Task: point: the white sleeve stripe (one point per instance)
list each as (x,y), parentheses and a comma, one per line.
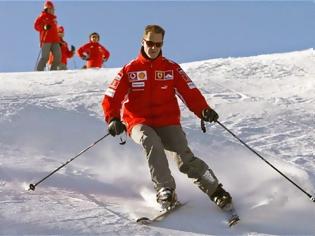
(110,92)
(180,96)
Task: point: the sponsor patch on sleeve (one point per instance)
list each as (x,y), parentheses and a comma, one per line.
(119,76)
(191,85)
(110,92)
(184,75)
(114,84)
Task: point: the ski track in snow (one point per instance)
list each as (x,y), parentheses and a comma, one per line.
(47,118)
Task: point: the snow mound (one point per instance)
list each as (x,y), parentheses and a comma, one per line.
(49,117)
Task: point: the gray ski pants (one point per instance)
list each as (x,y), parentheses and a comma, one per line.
(45,50)
(172,138)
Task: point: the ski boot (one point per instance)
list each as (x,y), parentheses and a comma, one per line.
(222,198)
(167,198)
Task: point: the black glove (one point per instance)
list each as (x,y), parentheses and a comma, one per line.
(116,127)
(47,27)
(209,115)
(72,48)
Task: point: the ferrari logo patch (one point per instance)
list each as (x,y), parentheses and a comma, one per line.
(164,75)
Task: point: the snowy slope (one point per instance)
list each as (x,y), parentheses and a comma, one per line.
(48,117)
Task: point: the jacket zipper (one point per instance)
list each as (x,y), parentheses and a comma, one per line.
(150,90)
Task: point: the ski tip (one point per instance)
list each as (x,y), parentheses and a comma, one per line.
(163,213)
(143,220)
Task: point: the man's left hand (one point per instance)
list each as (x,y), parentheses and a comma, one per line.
(209,115)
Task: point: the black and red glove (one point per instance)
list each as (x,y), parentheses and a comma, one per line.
(209,115)
(47,27)
(116,127)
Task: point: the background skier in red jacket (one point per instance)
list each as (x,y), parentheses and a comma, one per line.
(93,52)
(65,52)
(46,24)
(142,97)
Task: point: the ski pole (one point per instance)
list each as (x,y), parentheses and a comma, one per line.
(312,198)
(33,186)
(40,50)
(74,63)
(39,53)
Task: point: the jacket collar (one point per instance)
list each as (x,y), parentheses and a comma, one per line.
(145,59)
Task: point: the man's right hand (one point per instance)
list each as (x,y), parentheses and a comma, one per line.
(47,27)
(116,127)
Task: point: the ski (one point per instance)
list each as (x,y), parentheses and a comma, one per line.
(231,216)
(162,215)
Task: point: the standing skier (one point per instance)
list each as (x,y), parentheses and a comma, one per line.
(65,52)
(46,24)
(144,92)
(93,52)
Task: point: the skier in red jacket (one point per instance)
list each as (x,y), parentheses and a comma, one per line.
(65,52)
(46,24)
(142,97)
(93,52)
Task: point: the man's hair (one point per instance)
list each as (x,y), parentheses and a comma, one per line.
(94,33)
(154,28)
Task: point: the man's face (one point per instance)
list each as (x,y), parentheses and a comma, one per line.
(94,38)
(51,11)
(152,44)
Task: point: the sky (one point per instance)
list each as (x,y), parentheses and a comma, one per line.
(195,30)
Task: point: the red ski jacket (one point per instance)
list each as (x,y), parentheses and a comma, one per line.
(95,53)
(50,35)
(65,53)
(144,92)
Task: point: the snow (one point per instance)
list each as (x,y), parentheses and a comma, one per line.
(48,117)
